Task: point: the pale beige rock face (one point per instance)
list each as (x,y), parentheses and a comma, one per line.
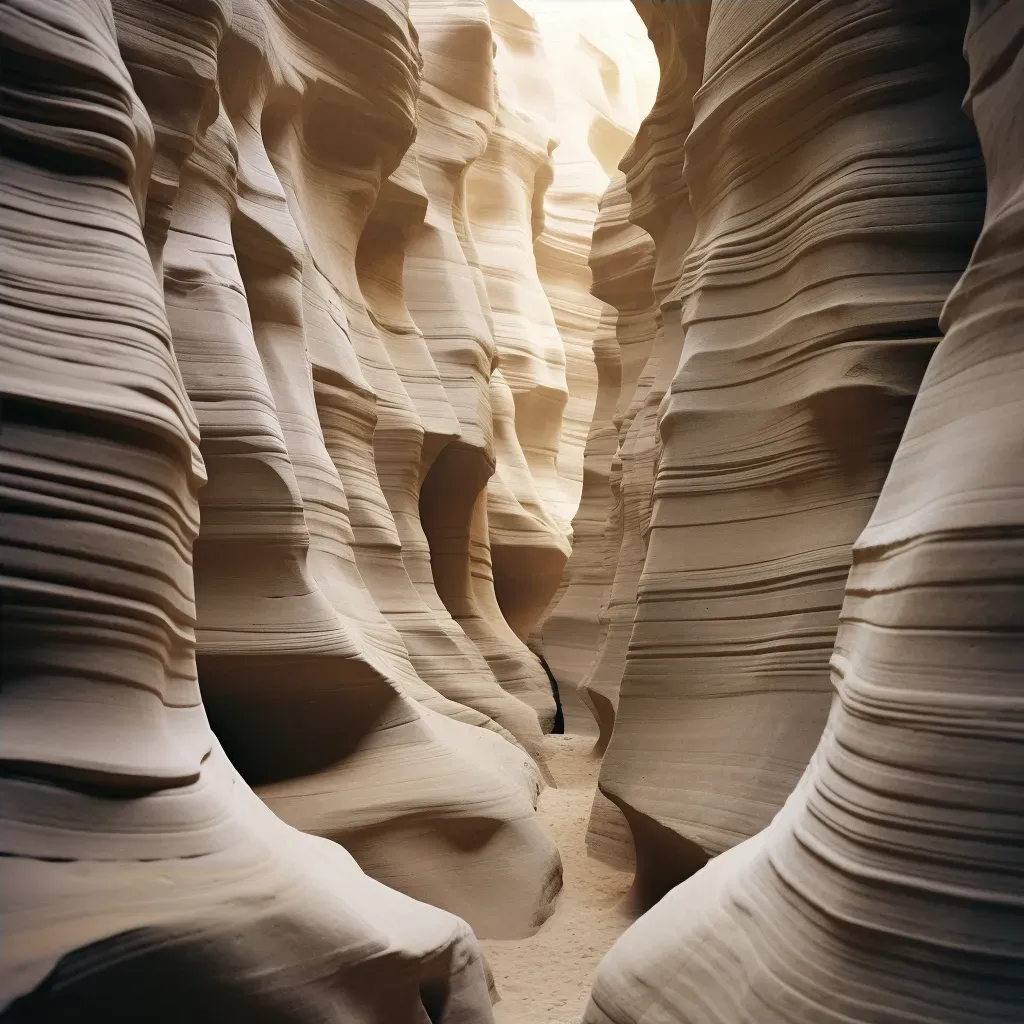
(447,295)
(505,188)
(140,872)
(646,223)
(576,631)
(441,652)
(532,200)
(307,309)
(885,889)
(623,259)
(302,206)
(809,298)
(604,76)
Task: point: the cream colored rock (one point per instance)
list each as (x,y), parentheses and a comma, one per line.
(567,108)
(505,189)
(887,887)
(441,652)
(604,75)
(141,878)
(623,259)
(447,296)
(569,634)
(356,759)
(809,298)
(653,208)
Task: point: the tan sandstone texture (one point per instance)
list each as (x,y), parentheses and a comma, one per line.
(142,878)
(389,383)
(807,304)
(230,377)
(888,886)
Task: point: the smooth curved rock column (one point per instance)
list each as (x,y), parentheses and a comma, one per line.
(569,635)
(605,79)
(141,878)
(505,188)
(441,652)
(357,759)
(447,297)
(809,298)
(888,886)
(623,259)
(651,207)
(604,76)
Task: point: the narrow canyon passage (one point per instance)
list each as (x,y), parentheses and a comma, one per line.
(513,512)
(546,978)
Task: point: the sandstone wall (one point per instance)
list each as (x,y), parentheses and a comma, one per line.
(363,377)
(649,213)
(605,81)
(885,887)
(137,860)
(621,259)
(259,369)
(806,305)
(603,74)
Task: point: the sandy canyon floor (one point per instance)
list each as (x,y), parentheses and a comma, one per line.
(546,978)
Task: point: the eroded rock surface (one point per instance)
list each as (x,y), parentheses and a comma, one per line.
(359,748)
(137,860)
(806,306)
(248,450)
(885,888)
(305,312)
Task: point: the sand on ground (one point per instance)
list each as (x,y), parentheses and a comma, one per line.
(546,978)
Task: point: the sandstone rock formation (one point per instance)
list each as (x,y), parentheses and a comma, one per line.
(532,197)
(887,888)
(604,70)
(505,191)
(137,861)
(394,781)
(356,667)
(653,208)
(604,77)
(623,259)
(624,265)
(362,383)
(447,295)
(822,250)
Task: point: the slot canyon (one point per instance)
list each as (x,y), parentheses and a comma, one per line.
(513,511)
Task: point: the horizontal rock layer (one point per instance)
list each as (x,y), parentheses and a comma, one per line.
(887,887)
(254,393)
(137,860)
(806,306)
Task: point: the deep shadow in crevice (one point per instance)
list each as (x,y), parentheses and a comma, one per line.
(664,858)
(558,729)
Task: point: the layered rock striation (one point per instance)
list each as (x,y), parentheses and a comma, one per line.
(806,305)
(359,748)
(305,311)
(604,77)
(886,887)
(253,399)
(137,860)
(447,295)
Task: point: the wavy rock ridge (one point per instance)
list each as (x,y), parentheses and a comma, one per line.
(268,475)
(363,376)
(885,887)
(808,298)
(137,859)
